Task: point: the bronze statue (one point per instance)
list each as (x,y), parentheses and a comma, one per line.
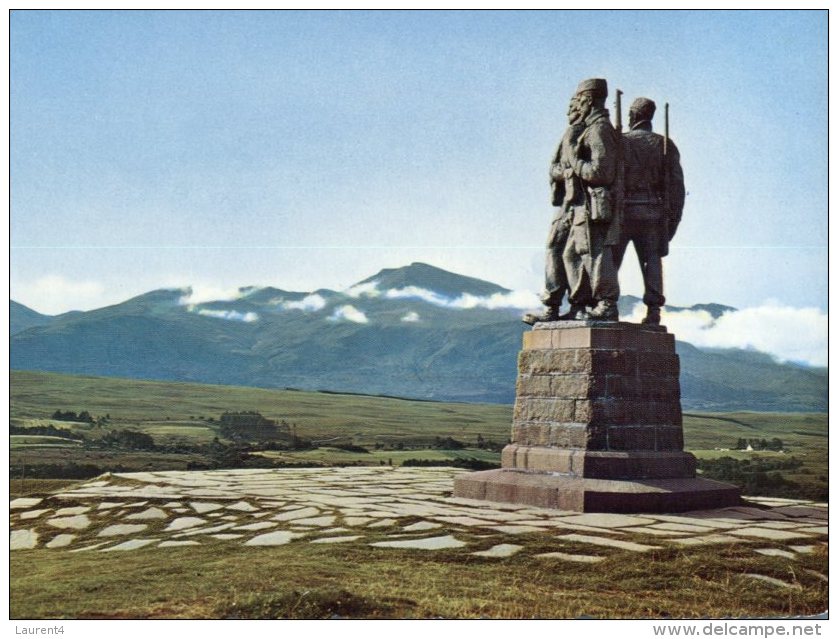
(653,201)
(567,192)
(595,224)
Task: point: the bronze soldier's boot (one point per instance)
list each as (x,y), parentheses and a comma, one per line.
(605,310)
(653,315)
(574,313)
(550,315)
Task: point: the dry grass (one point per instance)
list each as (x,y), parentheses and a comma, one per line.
(354,580)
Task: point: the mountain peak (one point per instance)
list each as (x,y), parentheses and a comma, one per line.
(431,278)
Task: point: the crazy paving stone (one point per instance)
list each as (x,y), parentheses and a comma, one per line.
(226,536)
(768,533)
(301,513)
(277,538)
(357,521)
(500,551)
(605,541)
(149,513)
(25,502)
(173,544)
(772,581)
(122,529)
(131,544)
(107,505)
(204,531)
(75,510)
(517,530)
(708,539)
(336,540)
(586,559)
(816,530)
(384,523)
(607,520)
(654,531)
(93,547)
(33,514)
(804,550)
(259,525)
(429,543)
(325,520)
(76,522)
(202,507)
(182,523)
(687,528)
(775,552)
(24,539)
(421,525)
(242,506)
(60,541)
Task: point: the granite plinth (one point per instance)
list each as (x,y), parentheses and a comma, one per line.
(581,494)
(597,425)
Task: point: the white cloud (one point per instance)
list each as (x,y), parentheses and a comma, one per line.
(369,289)
(309,303)
(53,294)
(202,293)
(789,334)
(412,316)
(414,292)
(229,315)
(350,314)
(512,299)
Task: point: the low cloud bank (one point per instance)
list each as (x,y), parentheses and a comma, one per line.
(512,299)
(201,294)
(235,316)
(349,313)
(788,334)
(309,303)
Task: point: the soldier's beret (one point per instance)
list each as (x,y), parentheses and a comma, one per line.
(643,107)
(597,86)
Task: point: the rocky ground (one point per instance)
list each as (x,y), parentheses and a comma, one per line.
(406,508)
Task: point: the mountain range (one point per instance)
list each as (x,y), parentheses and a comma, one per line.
(416,331)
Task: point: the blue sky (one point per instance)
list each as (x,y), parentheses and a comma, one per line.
(305,150)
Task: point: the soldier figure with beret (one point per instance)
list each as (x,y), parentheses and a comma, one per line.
(595,223)
(653,202)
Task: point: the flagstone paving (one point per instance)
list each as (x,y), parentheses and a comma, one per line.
(382,509)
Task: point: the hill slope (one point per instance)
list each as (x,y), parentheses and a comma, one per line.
(416,332)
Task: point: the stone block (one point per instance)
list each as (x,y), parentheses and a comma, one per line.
(547,362)
(608,361)
(604,412)
(543,409)
(533,385)
(669,438)
(538,340)
(578,436)
(631,438)
(665,363)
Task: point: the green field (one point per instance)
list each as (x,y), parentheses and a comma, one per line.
(321,581)
(393,430)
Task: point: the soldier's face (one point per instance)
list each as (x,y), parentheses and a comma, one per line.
(573,114)
(583,105)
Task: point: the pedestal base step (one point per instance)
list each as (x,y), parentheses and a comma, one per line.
(579,494)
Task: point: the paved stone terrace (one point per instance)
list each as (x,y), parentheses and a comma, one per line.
(407,508)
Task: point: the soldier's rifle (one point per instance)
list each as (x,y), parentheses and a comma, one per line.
(667,210)
(619,180)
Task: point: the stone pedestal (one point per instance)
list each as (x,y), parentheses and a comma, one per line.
(597,426)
